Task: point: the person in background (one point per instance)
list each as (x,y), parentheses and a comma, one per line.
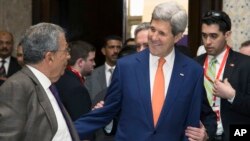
(8,64)
(30,106)
(245,48)
(226,75)
(152,108)
(100,79)
(74,95)
(130,41)
(127,50)
(19,54)
(141,36)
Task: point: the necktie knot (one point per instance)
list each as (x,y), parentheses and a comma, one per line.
(213,61)
(161,62)
(111,70)
(3,62)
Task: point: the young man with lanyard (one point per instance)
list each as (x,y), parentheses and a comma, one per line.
(226,74)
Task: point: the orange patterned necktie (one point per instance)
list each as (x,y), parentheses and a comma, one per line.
(158,91)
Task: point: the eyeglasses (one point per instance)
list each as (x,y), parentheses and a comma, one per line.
(213,14)
(65,50)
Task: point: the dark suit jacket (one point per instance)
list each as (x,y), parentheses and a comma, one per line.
(74,95)
(237,70)
(96,82)
(26,113)
(13,68)
(130,92)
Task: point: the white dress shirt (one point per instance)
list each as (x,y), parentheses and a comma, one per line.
(217,105)
(6,64)
(62,133)
(108,74)
(167,69)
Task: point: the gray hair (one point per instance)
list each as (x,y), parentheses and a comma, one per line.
(38,40)
(173,13)
(142,26)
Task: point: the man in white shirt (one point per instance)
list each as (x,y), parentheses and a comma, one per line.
(8,64)
(226,75)
(30,109)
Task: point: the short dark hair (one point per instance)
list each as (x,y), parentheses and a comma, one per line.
(246,43)
(79,49)
(111,37)
(217,17)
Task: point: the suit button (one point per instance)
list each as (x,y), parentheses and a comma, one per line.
(154,132)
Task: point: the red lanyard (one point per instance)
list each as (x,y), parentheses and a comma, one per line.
(221,66)
(78,74)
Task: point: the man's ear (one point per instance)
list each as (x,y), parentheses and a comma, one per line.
(80,62)
(103,51)
(49,57)
(228,34)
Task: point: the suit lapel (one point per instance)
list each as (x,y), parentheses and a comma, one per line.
(175,84)
(230,65)
(143,81)
(13,67)
(102,78)
(44,100)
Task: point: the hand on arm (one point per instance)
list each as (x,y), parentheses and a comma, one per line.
(196,134)
(98,105)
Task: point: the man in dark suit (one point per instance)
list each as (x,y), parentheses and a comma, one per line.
(145,112)
(73,93)
(30,107)
(208,118)
(8,64)
(226,74)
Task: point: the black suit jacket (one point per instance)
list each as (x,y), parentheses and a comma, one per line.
(13,68)
(237,70)
(73,94)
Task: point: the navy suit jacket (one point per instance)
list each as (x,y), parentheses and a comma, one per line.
(237,70)
(129,93)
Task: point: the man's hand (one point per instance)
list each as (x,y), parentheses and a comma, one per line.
(196,134)
(98,105)
(3,78)
(223,89)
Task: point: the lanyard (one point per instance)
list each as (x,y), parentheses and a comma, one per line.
(78,74)
(221,66)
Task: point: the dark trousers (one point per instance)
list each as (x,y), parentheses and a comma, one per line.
(218,138)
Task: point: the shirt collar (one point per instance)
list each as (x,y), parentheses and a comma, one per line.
(43,79)
(169,58)
(107,67)
(7,60)
(219,57)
